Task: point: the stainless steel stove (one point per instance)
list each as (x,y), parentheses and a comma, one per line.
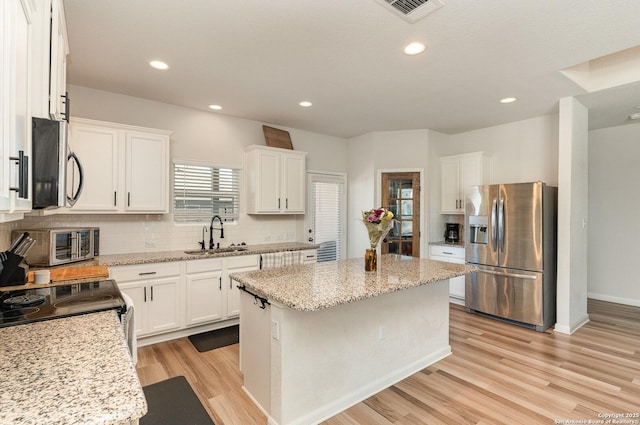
(32,305)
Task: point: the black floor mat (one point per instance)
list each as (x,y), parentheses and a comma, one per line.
(173,402)
(215,339)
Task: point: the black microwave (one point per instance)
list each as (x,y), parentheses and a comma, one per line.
(53,162)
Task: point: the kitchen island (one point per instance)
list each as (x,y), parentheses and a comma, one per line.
(74,370)
(316,339)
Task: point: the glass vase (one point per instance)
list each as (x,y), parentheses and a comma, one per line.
(370,260)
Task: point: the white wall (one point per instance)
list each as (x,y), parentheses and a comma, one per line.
(370,153)
(572,214)
(613,214)
(199,135)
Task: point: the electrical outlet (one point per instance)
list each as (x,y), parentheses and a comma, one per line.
(275,330)
(381,333)
(149,244)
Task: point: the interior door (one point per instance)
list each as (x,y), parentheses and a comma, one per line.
(401,194)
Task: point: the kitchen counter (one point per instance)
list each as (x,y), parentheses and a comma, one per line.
(165,256)
(333,335)
(324,285)
(74,370)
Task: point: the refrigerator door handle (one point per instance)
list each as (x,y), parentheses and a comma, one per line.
(505,274)
(494,235)
(501,232)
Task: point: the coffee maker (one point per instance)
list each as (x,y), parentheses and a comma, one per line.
(452,234)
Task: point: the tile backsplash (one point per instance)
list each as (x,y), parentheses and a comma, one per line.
(121,234)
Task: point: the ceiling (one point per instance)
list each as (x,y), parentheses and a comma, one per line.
(259,58)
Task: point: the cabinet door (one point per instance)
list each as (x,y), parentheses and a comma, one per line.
(147,171)
(293,184)
(58,70)
(97,150)
(163,301)
(204,297)
(450,174)
(137,294)
(268,181)
(470,174)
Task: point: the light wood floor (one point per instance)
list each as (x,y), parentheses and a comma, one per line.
(498,374)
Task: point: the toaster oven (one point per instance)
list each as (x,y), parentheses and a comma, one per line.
(62,245)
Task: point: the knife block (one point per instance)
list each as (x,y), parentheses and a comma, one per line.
(13,273)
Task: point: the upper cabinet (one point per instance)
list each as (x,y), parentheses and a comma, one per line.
(457,173)
(15,115)
(50,48)
(125,169)
(275,180)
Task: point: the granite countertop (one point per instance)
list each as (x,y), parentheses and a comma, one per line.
(323,285)
(165,256)
(74,370)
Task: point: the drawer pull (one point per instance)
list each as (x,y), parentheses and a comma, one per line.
(146,273)
(448,253)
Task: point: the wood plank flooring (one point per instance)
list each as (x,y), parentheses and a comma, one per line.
(498,374)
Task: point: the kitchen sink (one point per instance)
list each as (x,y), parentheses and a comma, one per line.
(217,250)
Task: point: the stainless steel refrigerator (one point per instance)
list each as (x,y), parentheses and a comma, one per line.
(511,238)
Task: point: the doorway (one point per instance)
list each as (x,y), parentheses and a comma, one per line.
(401,194)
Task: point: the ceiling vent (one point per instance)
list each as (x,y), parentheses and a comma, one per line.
(412,10)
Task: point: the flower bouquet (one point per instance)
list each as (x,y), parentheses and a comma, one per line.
(378,223)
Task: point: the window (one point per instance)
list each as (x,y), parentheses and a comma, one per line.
(202,191)
(327,206)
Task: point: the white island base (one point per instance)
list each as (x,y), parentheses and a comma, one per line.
(303,367)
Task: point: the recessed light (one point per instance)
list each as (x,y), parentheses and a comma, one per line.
(635,116)
(215,107)
(414,48)
(305,103)
(508,100)
(159,65)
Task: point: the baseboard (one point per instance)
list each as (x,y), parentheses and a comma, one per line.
(456,300)
(180,333)
(612,299)
(563,329)
(329,410)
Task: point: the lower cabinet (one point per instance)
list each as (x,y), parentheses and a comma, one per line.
(237,265)
(204,293)
(156,291)
(451,254)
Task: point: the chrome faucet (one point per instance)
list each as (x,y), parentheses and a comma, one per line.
(211,230)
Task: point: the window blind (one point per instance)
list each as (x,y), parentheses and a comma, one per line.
(202,191)
(328,206)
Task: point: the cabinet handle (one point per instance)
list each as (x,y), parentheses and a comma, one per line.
(278,203)
(23,175)
(456,204)
(145,273)
(220,287)
(145,294)
(128,199)
(230,283)
(448,253)
(115,198)
(286,203)
(152,293)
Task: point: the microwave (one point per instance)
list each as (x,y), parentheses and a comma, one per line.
(62,245)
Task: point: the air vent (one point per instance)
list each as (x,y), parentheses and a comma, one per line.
(412,10)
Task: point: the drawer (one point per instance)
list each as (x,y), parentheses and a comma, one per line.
(204,265)
(144,271)
(242,261)
(447,251)
(310,255)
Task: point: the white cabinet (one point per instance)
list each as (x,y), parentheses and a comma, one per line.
(15,113)
(126,169)
(156,291)
(204,292)
(238,264)
(451,254)
(275,180)
(58,69)
(309,256)
(457,173)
